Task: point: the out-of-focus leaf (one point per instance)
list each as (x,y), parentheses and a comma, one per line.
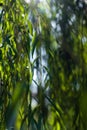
(31,115)
(30,28)
(23,121)
(34,42)
(35,60)
(51,53)
(40,122)
(57,108)
(0,54)
(46,68)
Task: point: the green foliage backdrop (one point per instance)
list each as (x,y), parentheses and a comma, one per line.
(43,65)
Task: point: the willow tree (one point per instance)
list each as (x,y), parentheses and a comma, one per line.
(43,47)
(15,68)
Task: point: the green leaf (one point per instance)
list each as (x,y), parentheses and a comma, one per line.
(30,28)
(34,42)
(57,108)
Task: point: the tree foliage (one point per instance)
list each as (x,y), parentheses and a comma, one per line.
(43,65)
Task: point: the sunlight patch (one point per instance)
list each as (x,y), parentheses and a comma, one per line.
(27,1)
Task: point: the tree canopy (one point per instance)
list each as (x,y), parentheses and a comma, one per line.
(43,65)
